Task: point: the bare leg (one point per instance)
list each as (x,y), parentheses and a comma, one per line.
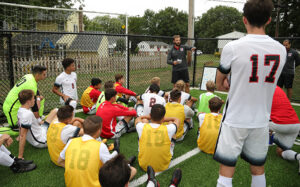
(279,151)
(226,171)
(187,87)
(289,93)
(51,116)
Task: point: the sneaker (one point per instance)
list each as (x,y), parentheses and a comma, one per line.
(131,160)
(131,129)
(176,178)
(151,176)
(117,145)
(22,161)
(21,168)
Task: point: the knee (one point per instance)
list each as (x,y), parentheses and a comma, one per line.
(257,170)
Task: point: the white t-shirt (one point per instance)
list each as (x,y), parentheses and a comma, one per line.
(103,151)
(184,97)
(202,116)
(160,93)
(69,131)
(254,63)
(36,134)
(150,99)
(67,84)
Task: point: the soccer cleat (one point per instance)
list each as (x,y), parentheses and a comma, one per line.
(22,161)
(176,178)
(131,129)
(151,176)
(21,168)
(131,160)
(117,145)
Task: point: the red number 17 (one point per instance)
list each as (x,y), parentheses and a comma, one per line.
(268,58)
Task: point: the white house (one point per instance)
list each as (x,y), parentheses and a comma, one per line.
(152,47)
(232,35)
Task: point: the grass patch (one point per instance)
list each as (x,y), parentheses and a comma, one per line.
(199,170)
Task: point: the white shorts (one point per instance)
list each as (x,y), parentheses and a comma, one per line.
(185,130)
(251,143)
(285,135)
(139,110)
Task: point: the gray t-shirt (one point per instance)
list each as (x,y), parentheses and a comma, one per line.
(292,61)
(178,54)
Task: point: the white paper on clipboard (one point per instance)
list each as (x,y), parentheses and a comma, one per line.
(209,73)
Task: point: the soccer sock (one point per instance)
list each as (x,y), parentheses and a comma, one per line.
(5,159)
(224,181)
(150,184)
(4,149)
(290,155)
(258,181)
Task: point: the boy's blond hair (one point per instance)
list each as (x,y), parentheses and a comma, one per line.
(155,80)
(180,85)
(210,86)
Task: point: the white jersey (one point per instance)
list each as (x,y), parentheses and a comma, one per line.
(160,93)
(67,84)
(184,97)
(150,99)
(254,63)
(36,134)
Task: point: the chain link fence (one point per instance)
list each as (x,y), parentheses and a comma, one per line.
(138,58)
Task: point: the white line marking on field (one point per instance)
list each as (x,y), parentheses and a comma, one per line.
(173,163)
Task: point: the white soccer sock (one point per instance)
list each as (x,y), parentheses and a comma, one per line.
(5,150)
(224,181)
(5,159)
(290,155)
(258,181)
(150,184)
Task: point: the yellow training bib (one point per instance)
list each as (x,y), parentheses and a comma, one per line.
(176,110)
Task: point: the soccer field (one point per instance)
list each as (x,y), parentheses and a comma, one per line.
(199,170)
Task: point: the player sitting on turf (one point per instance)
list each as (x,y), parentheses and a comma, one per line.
(83,157)
(205,97)
(156,80)
(147,100)
(61,131)
(90,96)
(65,84)
(109,112)
(101,98)
(152,181)
(11,104)
(116,172)
(7,159)
(30,129)
(121,90)
(286,125)
(155,146)
(186,98)
(183,112)
(209,124)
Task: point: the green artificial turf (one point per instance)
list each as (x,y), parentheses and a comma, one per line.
(199,170)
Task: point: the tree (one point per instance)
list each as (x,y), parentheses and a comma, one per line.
(120,45)
(105,23)
(215,22)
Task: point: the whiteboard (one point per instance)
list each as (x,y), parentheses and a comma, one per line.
(209,73)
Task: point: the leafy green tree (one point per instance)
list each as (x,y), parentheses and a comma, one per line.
(215,22)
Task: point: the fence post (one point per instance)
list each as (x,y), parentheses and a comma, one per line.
(10,62)
(128,61)
(195,65)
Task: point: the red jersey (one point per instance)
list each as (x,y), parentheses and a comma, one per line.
(121,90)
(89,98)
(108,112)
(282,111)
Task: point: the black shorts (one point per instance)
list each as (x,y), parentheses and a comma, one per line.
(286,80)
(180,75)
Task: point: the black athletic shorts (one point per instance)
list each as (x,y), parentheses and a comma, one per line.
(180,75)
(286,80)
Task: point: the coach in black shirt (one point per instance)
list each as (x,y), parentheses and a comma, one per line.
(177,58)
(287,75)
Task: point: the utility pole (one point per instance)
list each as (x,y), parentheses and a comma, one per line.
(190,29)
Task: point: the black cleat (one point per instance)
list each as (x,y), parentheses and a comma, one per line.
(117,145)
(131,129)
(131,160)
(21,168)
(22,161)
(151,176)
(176,178)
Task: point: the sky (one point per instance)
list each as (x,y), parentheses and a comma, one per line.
(137,7)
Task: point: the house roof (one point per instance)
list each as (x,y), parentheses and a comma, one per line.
(234,34)
(156,43)
(87,42)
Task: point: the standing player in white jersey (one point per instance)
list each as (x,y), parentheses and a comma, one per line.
(148,100)
(254,63)
(65,84)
